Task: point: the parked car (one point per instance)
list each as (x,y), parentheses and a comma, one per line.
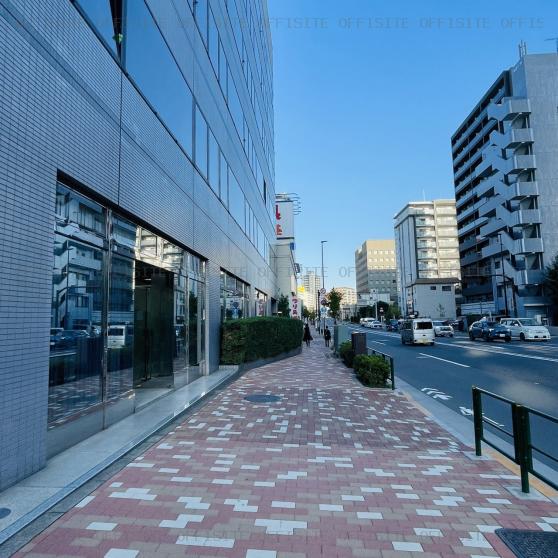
(119,335)
(54,334)
(417,331)
(526,329)
(441,329)
(392,325)
(489,331)
(68,338)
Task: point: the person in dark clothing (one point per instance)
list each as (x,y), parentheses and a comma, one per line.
(307,337)
(327,336)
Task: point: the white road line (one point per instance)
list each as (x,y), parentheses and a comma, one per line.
(379,342)
(519,355)
(445,360)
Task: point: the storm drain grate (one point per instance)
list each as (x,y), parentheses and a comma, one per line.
(4,512)
(530,544)
(262,398)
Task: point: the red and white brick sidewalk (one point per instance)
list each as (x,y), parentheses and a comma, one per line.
(332,469)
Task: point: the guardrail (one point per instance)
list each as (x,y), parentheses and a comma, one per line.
(387,358)
(521,435)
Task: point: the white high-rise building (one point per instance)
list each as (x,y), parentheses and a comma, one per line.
(426,245)
(311,283)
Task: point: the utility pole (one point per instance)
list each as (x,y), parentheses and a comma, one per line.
(503,275)
(323,280)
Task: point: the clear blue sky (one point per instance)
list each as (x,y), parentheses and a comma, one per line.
(364,112)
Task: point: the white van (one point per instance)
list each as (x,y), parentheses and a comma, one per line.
(119,335)
(418,331)
(526,329)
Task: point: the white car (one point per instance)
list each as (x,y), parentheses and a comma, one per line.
(442,330)
(527,329)
(373,324)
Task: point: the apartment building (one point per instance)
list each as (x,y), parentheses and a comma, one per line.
(137,194)
(311,284)
(505,163)
(426,245)
(376,269)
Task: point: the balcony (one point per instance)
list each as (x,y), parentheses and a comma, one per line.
(472,226)
(519,163)
(529,277)
(529,245)
(512,138)
(490,204)
(518,190)
(525,217)
(509,108)
(472,258)
(492,227)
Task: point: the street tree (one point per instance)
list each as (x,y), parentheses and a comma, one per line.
(283,308)
(334,302)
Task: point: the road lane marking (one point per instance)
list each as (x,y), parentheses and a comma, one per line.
(445,360)
(436,393)
(501,352)
(379,343)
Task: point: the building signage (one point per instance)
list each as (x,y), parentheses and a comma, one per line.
(284,219)
(294,307)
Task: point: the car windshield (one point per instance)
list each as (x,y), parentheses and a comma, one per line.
(438,323)
(492,324)
(423,325)
(528,322)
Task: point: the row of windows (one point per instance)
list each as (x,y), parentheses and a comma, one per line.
(153,67)
(207,25)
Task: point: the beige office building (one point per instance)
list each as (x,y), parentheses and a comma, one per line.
(376,270)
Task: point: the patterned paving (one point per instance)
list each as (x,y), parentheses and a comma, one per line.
(331,469)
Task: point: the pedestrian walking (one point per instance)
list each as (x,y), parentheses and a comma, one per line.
(327,336)
(307,337)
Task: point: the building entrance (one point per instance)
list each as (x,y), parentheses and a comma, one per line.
(153,326)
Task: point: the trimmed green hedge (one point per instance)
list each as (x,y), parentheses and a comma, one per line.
(371,370)
(258,338)
(346,353)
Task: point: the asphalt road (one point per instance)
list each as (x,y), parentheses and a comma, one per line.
(525,372)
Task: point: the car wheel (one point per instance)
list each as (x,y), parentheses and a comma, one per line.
(471,337)
(451,334)
(522,336)
(508,339)
(432,344)
(487,338)
(402,341)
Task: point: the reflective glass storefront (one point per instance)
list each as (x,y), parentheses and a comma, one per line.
(235,298)
(128,310)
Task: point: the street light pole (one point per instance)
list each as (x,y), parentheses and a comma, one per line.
(503,276)
(323,280)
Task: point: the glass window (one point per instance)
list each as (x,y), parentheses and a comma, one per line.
(236,201)
(213,42)
(201,15)
(213,163)
(235,298)
(235,107)
(150,63)
(446,288)
(100,15)
(201,142)
(224,181)
(76,342)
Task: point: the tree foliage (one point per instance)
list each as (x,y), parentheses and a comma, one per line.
(283,308)
(334,301)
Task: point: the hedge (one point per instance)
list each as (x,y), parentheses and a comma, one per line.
(252,339)
(346,353)
(371,370)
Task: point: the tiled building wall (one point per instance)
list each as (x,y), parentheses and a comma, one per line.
(61,99)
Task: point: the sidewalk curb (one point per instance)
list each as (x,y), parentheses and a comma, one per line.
(462,429)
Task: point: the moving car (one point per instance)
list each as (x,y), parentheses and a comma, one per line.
(489,331)
(374,324)
(392,325)
(442,330)
(526,329)
(417,331)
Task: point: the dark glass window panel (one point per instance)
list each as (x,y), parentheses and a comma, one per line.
(150,63)
(76,342)
(223,70)
(100,15)
(201,143)
(120,333)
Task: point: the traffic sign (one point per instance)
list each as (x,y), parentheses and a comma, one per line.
(323,291)
(323,302)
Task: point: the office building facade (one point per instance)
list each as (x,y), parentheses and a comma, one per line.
(426,245)
(376,269)
(137,194)
(505,162)
(311,285)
